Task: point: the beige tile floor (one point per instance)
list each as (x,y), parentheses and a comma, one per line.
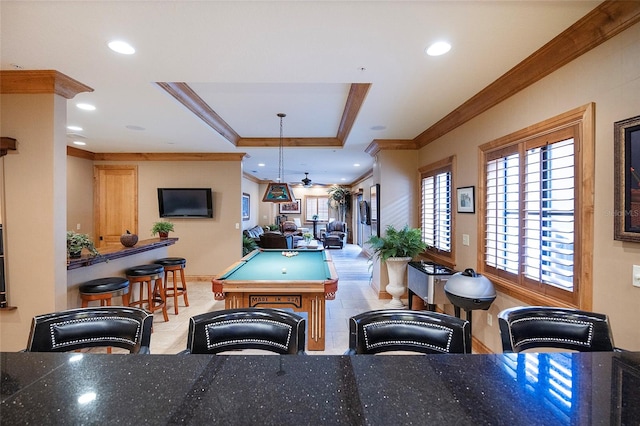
(354,296)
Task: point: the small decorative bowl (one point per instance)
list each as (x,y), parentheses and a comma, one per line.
(129,240)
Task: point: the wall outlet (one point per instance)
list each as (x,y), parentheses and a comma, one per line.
(636,276)
(489,320)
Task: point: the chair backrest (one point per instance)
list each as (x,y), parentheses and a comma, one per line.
(288,226)
(403,330)
(276,240)
(246,328)
(528,327)
(123,327)
(336,226)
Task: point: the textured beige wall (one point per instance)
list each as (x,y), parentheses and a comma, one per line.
(34,185)
(80,195)
(609,76)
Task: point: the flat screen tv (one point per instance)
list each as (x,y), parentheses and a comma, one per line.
(185,202)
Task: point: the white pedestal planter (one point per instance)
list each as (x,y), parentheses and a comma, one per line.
(397,269)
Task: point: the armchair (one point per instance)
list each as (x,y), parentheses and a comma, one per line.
(335,234)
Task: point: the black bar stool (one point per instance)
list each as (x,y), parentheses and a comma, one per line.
(104,289)
(173,265)
(146,275)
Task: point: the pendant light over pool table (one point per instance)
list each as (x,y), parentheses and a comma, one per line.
(279,192)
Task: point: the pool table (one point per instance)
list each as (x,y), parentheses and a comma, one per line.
(267,278)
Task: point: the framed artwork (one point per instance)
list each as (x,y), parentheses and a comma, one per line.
(292,207)
(466,199)
(246,206)
(374,208)
(626,141)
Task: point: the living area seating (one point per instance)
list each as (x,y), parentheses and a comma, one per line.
(289,228)
(276,240)
(254,233)
(334,235)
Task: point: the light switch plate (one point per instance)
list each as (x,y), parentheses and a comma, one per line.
(465,239)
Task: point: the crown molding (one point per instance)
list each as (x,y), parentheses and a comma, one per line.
(30,82)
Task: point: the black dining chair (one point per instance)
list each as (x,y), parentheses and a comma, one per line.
(405,330)
(532,327)
(268,329)
(113,326)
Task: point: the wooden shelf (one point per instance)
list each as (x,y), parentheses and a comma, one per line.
(116,252)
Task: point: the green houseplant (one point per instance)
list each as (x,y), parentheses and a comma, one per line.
(76,242)
(162,228)
(248,245)
(340,199)
(396,249)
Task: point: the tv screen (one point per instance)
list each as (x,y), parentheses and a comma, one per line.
(364,213)
(185,202)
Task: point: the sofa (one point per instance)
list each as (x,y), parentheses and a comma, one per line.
(254,233)
(275,240)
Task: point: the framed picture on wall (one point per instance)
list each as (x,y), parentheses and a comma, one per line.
(246,206)
(466,199)
(626,141)
(292,207)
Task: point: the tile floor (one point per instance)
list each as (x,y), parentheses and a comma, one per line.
(354,296)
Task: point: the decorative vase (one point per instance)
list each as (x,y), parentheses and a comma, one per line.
(128,240)
(397,270)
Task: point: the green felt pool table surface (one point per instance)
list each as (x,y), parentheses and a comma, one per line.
(268,265)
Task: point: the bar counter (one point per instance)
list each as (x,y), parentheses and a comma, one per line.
(500,389)
(119,251)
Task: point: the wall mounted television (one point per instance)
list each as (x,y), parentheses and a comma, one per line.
(185,202)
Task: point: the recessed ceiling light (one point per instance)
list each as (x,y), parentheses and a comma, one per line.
(75,128)
(122,47)
(343,178)
(378,127)
(356,165)
(438,48)
(80,143)
(86,107)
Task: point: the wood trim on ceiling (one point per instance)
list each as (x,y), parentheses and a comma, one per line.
(30,82)
(155,156)
(604,22)
(194,103)
(378,145)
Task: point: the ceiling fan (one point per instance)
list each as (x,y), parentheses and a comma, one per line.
(306,182)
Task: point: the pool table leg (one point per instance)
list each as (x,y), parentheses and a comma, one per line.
(316,326)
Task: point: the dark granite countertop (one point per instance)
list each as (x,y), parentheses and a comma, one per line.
(524,389)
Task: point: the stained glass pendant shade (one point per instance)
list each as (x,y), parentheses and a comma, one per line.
(279,192)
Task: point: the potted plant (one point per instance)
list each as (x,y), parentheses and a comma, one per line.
(162,228)
(76,242)
(248,245)
(340,199)
(396,249)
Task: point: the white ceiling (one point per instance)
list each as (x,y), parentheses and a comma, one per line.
(252,60)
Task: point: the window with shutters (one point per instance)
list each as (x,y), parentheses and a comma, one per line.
(317,205)
(536,212)
(436,182)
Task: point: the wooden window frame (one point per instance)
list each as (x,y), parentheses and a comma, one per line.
(443,165)
(582,120)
